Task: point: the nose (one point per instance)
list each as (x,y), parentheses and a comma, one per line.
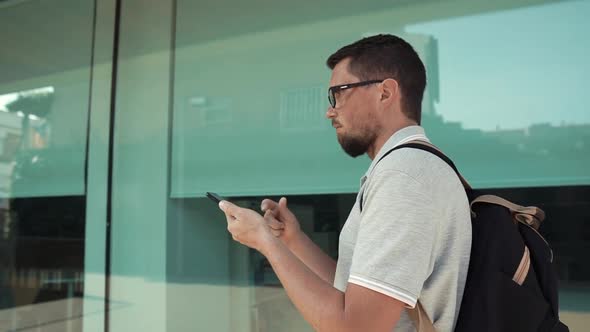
(330,113)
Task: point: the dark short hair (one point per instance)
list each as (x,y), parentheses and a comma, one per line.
(387,56)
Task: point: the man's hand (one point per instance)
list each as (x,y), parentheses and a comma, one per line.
(323,306)
(246,226)
(284,225)
(281,220)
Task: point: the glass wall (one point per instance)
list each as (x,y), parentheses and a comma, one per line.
(257,90)
(45,75)
(117,116)
(230,98)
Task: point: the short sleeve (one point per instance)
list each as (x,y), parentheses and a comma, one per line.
(394,250)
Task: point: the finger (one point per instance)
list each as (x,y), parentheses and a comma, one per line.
(270,214)
(230,209)
(275,224)
(276,233)
(283,204)
(284,209)
(272,221)
(268,204)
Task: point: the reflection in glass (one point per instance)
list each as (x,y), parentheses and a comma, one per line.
(511,86)
(34,134)
(41,239)
(44,87)
(505,99)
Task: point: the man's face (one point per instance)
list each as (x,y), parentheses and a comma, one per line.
(354,116)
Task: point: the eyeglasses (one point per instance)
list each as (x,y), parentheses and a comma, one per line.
(337,88)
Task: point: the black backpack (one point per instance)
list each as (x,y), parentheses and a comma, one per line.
(511,283)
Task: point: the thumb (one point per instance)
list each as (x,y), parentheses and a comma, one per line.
(283,204)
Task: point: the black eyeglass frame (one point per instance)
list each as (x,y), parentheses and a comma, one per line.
(337,88)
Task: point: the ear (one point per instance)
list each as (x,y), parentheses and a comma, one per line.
(390,92)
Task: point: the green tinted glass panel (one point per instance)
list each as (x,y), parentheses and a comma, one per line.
(244,103)
(44,91)
(45,64)
(505,96)
(510,107)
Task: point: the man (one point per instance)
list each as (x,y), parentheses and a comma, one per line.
(410,241)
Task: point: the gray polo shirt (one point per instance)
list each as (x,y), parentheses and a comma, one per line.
(412,239)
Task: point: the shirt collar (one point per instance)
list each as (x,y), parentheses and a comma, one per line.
(401,136)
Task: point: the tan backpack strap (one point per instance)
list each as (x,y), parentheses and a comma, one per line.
(466,184)
(420,318)
(530,215)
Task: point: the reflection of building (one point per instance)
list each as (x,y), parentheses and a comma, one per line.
(10,135)
(557,155)
(206,112)
(303,109)
(23,127)
(427,48)
(41,251)
(545,139)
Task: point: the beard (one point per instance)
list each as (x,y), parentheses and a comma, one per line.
(356,145)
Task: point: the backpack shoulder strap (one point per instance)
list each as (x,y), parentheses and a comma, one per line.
(530,215)
(424,146)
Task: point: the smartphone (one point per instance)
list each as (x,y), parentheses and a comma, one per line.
(215,198)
